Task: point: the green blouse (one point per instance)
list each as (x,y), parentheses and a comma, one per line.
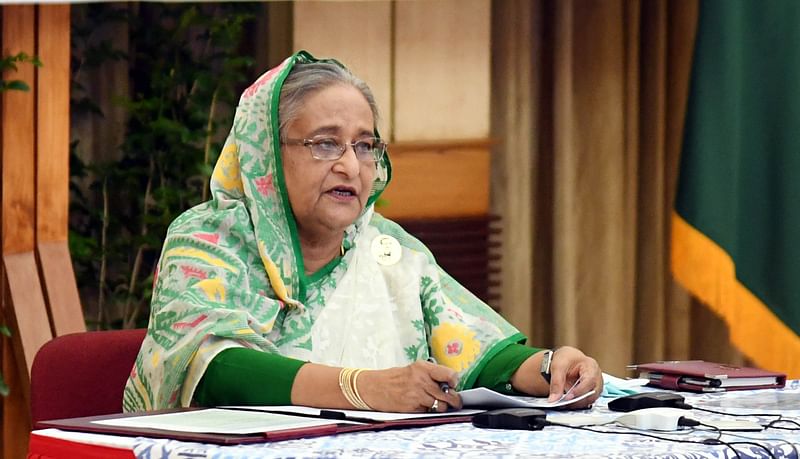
(242,376)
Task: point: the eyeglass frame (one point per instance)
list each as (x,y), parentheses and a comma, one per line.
(342,146)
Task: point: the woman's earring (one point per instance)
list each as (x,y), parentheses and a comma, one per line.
(341,249)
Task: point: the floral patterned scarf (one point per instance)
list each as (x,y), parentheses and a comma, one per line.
(230,275)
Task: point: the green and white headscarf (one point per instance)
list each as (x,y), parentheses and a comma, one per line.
(231,275)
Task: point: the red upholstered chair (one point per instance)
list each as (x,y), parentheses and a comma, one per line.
(82,374)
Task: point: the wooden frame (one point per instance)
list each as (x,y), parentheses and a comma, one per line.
(35,204)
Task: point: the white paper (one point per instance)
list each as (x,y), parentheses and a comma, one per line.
(482,396)
(215,420)
(355,414)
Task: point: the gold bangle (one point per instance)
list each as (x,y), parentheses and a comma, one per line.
(344,385)
(348,378)
(363,404)
(344,376)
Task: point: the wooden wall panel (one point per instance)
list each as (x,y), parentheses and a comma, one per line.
(23,304)
(27,310)
(16,128)
(356,33)
(431,180)
(18,135)
(52,126)
(442,71)
(428,64)
(52,170)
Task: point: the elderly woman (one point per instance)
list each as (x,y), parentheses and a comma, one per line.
(288,288)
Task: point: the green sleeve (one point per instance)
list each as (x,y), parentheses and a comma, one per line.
(242,376)
(496,375)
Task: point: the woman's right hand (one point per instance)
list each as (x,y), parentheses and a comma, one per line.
(413,388)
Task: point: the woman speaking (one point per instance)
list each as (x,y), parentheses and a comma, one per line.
(288,288)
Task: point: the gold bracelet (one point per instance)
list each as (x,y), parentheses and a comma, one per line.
(364,405)
(344,376)
(358,402)
(344,385)
(347,383)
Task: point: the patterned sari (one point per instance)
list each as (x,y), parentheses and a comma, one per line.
(231,275)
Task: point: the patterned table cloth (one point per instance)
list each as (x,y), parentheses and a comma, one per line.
(465,441)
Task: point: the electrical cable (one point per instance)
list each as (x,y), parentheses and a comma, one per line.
(730,414)
(771,424)
(719,436)
(716,441)
(791,445)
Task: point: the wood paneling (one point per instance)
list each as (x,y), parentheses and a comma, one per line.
(29,315)
(18,135)
(35,203)
(26,311)
(52,170)
(442,70)
(438,180)
(17,217)
(52,124)
(60,289)
(356,33)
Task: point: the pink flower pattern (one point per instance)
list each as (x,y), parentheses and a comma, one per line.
(264,79)
(265,185)
(189,271)
(192,324)
(454,347)
(209,237)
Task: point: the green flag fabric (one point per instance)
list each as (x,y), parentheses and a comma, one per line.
(736,225)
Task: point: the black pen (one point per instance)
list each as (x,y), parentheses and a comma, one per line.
(442,385)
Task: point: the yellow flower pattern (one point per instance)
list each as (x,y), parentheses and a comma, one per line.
(213,288)
(454,346)
(226,172)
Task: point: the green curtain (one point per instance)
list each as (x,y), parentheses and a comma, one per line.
(736,227)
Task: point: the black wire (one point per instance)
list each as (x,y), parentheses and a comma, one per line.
(719,435)
(769,453)
(794,448)
(716,441)
(771,424)
(737,414)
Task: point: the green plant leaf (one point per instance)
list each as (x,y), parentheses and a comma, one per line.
(166,105)
(3,386)
(16,85)
(5,331)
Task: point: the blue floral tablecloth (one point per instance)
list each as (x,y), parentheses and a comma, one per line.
(466,441)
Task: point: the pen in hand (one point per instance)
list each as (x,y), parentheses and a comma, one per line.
(442,385)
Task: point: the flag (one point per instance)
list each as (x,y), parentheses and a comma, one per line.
(736,222)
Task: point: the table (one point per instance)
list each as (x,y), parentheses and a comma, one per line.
(466,441)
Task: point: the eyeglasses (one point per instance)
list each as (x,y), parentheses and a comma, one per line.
(367,149)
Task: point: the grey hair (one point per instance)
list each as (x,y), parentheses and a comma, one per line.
(309,78)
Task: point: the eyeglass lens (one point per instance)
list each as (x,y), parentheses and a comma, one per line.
(368,149)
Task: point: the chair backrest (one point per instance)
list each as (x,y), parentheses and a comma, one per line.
(83,374)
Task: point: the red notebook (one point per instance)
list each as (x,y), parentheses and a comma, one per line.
(702,376)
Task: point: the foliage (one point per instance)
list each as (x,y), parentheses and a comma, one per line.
(9,64)
(185,72)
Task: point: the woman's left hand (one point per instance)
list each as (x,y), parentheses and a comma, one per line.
(568,366)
